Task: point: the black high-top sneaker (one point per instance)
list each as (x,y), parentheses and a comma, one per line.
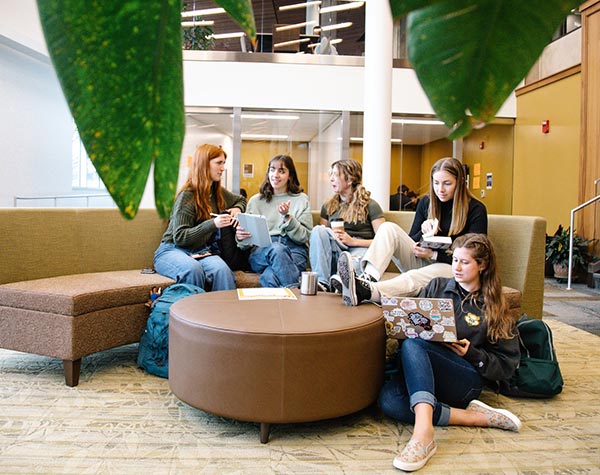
(354,290)
(335,284)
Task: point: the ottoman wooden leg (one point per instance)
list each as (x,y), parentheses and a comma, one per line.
(72,370)
(265,429)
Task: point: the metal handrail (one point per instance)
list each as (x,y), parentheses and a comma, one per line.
(571,237)
(61,197)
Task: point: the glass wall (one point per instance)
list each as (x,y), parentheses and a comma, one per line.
(314,139)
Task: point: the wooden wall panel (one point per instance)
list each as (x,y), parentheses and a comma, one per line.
(587,219)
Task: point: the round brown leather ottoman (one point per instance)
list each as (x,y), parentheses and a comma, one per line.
(275,361)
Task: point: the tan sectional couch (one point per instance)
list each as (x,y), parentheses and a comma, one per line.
(72,286)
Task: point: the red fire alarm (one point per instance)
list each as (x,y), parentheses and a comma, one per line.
(545,126)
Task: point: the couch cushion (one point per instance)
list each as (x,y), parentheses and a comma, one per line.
(81,293)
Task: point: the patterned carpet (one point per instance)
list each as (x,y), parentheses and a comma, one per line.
(120,420)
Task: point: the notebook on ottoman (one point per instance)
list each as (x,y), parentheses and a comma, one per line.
(412,317)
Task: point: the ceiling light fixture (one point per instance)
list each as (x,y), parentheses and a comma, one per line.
(360,139)
(299,5)
(296,25)
(189,24)
(291,42)
(222,36)
(337,41)
(339,8)
(264,136)
(204,12)
(337,26)
(417,121)
(269,116)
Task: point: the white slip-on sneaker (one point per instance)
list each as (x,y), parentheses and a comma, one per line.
(498,418)
(415,455)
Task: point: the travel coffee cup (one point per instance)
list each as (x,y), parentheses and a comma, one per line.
(308,283)
(337,225)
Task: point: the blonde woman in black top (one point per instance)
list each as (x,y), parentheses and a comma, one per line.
(449,210)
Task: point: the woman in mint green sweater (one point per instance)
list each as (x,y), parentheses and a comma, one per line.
(289,218)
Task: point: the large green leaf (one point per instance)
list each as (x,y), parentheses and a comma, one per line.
(469,55)
(403,7)
(241,11)
(119,64)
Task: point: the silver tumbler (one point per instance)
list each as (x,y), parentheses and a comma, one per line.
(308,283)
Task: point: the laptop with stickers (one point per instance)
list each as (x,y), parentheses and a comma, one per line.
(416,317)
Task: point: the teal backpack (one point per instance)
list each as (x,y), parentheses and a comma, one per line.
(153,352)
(538,374)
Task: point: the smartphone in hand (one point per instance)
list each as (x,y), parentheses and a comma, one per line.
(200,255)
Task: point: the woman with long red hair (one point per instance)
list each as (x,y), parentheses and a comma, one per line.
(189,249)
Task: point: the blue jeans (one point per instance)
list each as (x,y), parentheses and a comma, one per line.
(325,251)
(431,373)
(209,273)
(279,264)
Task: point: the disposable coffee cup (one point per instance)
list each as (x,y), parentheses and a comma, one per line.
(308,283)
(337,225)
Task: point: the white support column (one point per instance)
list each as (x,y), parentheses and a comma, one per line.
(377,128)
(312,14)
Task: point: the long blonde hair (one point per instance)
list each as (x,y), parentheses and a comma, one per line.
(462,195)
(201,184)
(355,210)
(500,322)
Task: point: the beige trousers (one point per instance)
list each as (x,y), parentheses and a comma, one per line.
(392,243)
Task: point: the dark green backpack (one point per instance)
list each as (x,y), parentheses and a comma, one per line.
(153,351)
(538,375)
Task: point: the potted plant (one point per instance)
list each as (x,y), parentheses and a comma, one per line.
(557,252)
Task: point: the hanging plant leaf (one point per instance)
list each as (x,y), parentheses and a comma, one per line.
(403,7)
(469,55)
(241,12)
(119,64)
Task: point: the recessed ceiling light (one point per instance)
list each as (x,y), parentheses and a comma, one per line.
(221,36)
(204,12)
(269,116)
(360,139)
(339,8)
(417,121)
(264,136)
(336,26)
(190,24)
(296,25)
(299,5)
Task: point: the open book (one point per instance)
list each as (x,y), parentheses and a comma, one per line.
(435,242)
(431,241)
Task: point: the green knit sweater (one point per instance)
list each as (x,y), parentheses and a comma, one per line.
(185,230)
